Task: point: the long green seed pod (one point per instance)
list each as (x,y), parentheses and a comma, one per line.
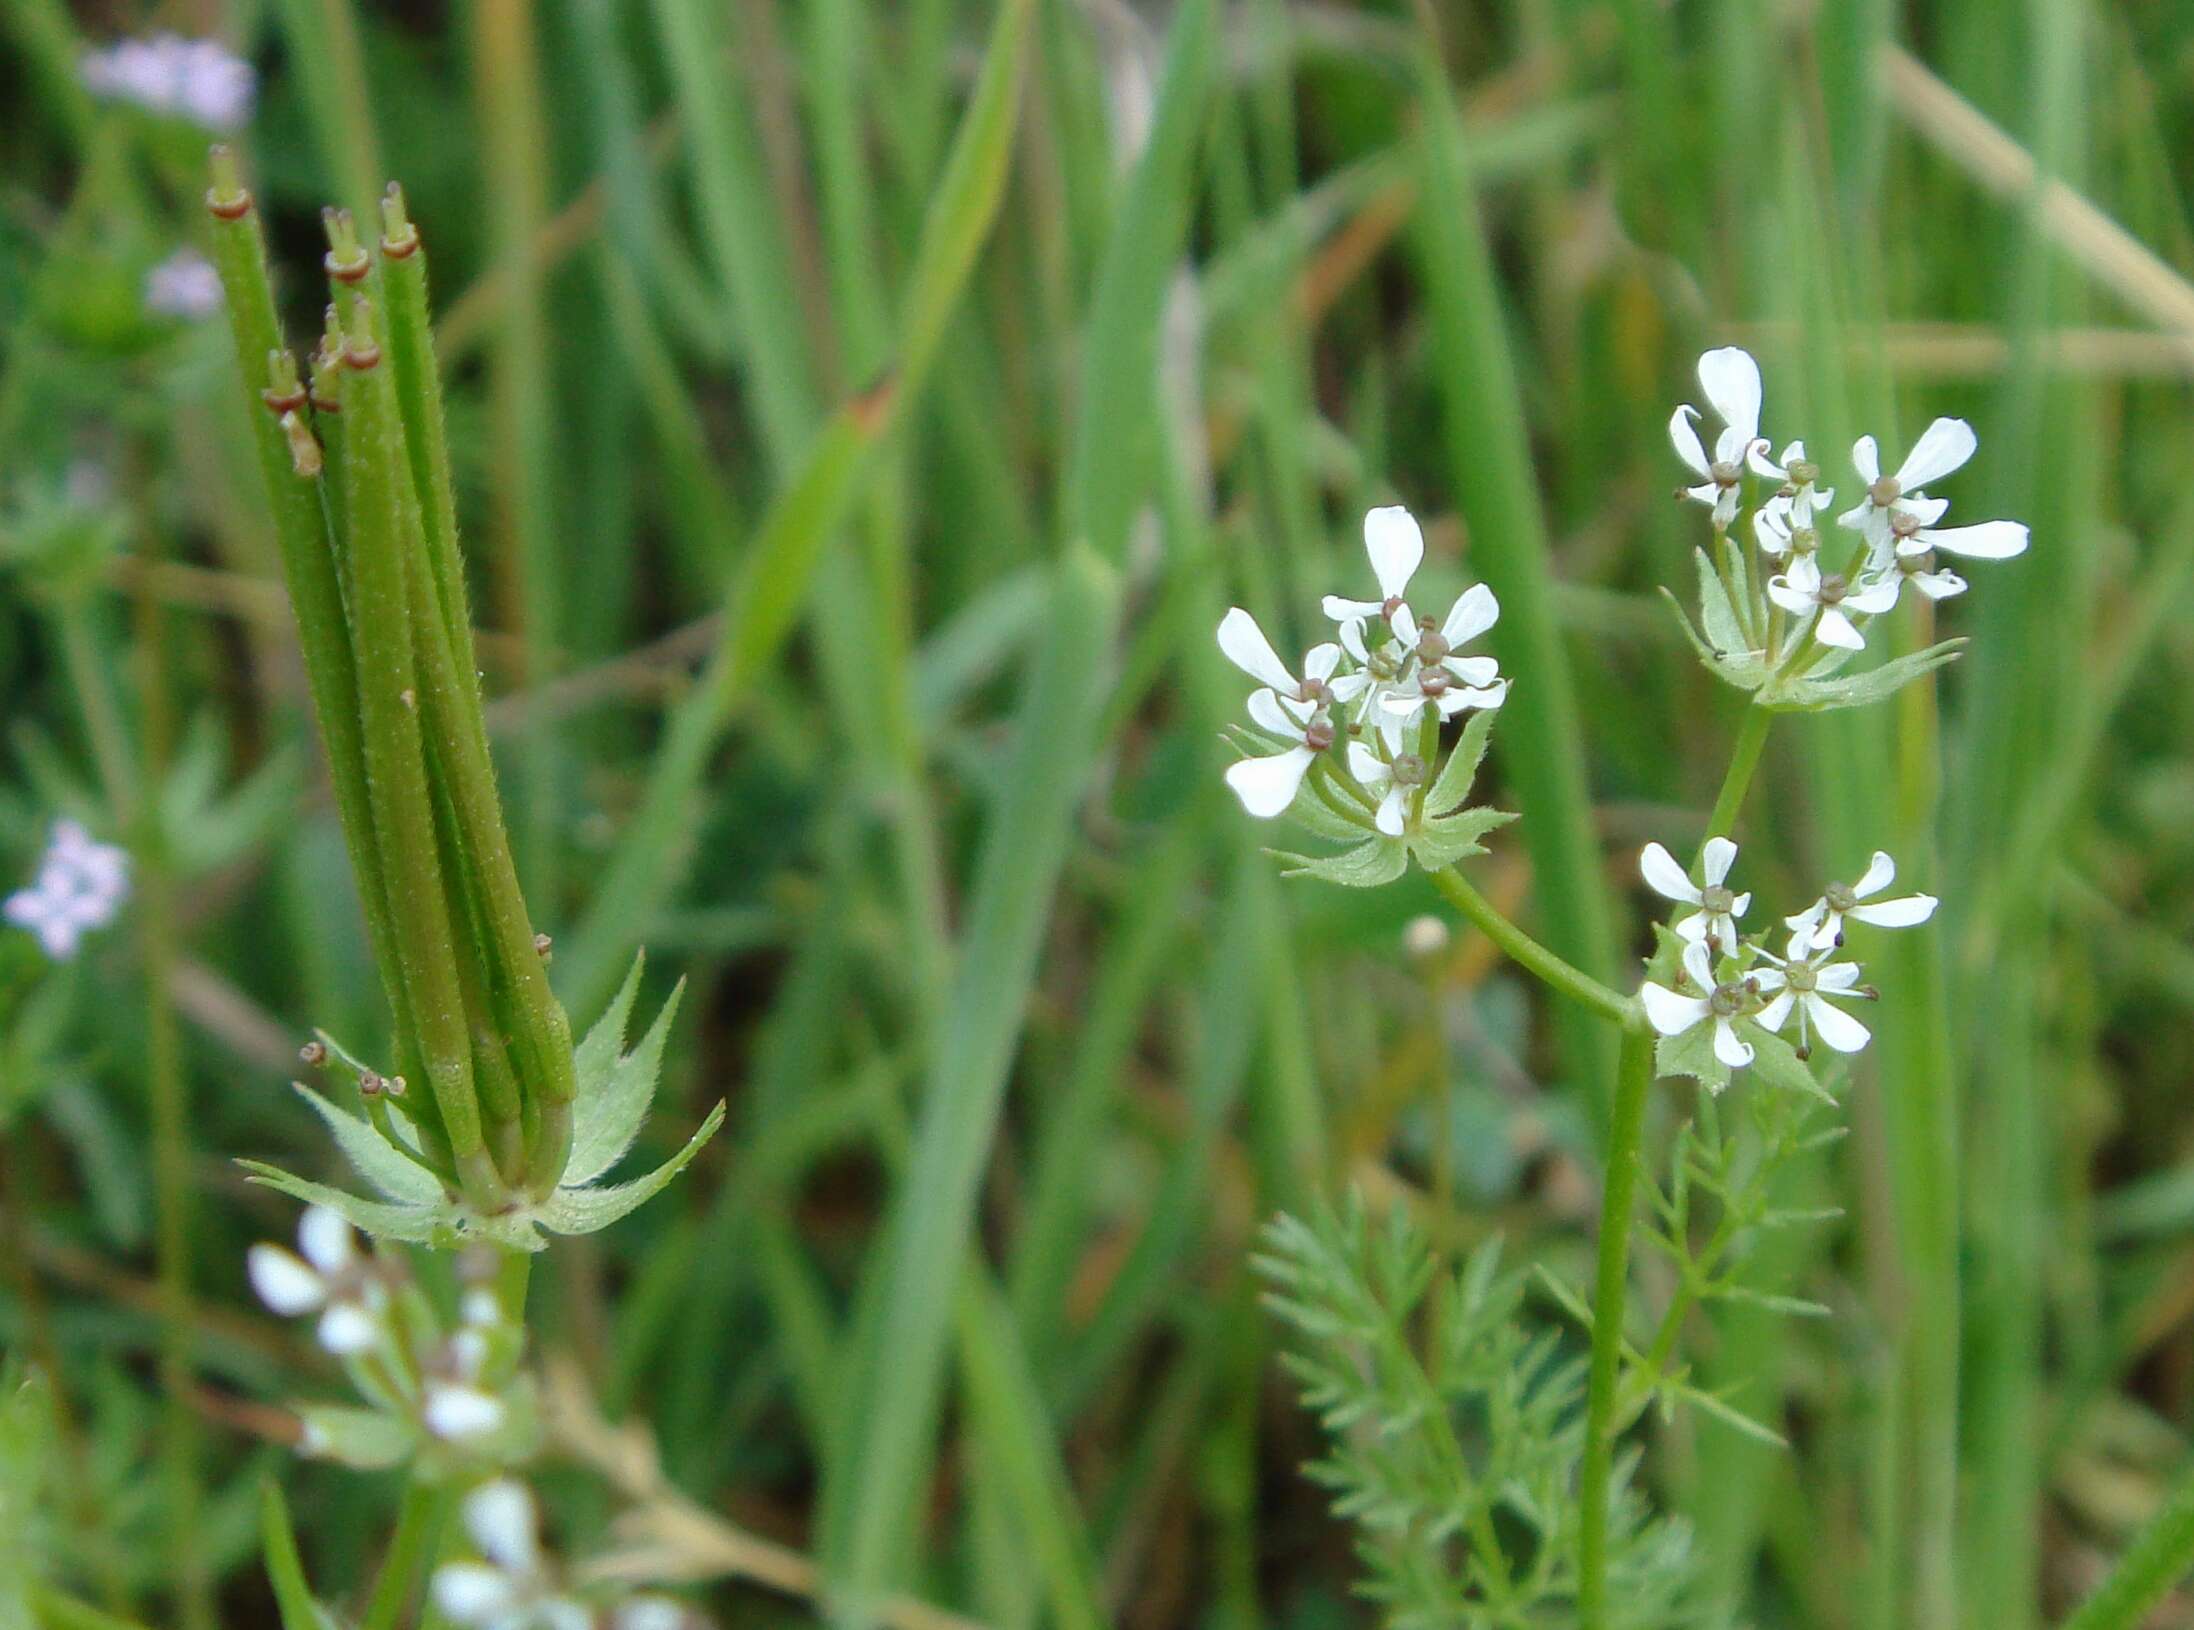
(376,486)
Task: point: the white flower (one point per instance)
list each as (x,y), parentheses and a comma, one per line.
(1802,589)
(80,885)
(1731,380)
(1802,496)
(511,1588)
(184,285)
(197,80)
(1823,921)
(1449,681)
(1396,545)
(1984,540)
(453,1404)
(1719,907)
(1671,1013)
(1942,448)
(1803,984)
(1394,783)
(1247,648)
(1928,578)
(333,1277)
(1267,784)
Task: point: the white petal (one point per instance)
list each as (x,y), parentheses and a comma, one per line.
(1247,648)
(1802,926)
(1459,697)
(1403,704)
(1715,860)
(1348,687)
(1266,713)
(499,1517)
(1475,610)
(1731,1048)
(1731,380)
(479,1306)
(283,1281)
(1705,493)
(1876,596)
(1837,976)
(1321,660)
(648,1613)
(1664,876)
(1699,965)
(1986,540)
(1266,786)
(1403,622)
(1866,458)
(326,1239)
(1478,671)
(461,1412)
(1395,544)
(1777,1012)
(347,1328)
(1686,438)
(1392,808)
(1881,871)
(1923,509)
(1771,531)
(1788,595)
(1763,466)
(1834,1026)
(1348,611)
(1739,905)
(1669,1013)
(1938,585)
(561,1613)
(1365,765)
(1692,927)
(1904,913)
(472,1592)
(1836,629)
(1352,628)
(1943,447)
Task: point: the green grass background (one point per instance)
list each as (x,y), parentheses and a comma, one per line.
(852,484)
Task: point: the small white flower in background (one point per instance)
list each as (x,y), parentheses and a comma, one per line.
(1719,907)
(510,1589)
(185,285)
(1424,936)
(1671,1013)
(1247,648)
(1804,590)
(1392,783)
(1942,448)
(1802,497)
(1802,982)
(1822,923)
(80,886)
(333,1278)
(198,80)
(453,1403)
(1731,380)
(1449,681)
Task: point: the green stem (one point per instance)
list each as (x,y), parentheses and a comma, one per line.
(2158,1558)
(1558,975)
(1633,1076)
(419,1522)
(1744,759)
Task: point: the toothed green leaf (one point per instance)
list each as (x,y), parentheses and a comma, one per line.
(1443,842)
(1314,815)
(1371,863)
(1452,785)
(598,1050)
(1777,1063)
(1692,1054)
(614,1089)
(583,1211)
(407,1224)
(1820,695)
(378,1161)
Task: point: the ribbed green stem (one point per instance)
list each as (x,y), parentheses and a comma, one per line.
(1626,1127)
(1744,759)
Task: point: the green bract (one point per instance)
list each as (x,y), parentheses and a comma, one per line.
(418,1207)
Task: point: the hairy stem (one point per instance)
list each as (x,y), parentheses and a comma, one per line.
(1558,975)
(1633,1076)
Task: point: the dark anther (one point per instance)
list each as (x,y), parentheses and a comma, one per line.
(313,1053)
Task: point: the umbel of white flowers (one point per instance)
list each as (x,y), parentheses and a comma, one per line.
(1725,981)
(1379,689)
(516,1586)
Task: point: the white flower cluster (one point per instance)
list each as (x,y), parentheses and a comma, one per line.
(184,286)
(388,1336)
(514,1586)
(1724,980)
(1828,594)
(198,80)
(80,886)
(1391,676)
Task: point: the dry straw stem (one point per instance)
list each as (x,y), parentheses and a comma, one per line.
(2103,248)
(668,1536)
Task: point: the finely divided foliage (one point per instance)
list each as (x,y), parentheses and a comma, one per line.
(1354,748)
